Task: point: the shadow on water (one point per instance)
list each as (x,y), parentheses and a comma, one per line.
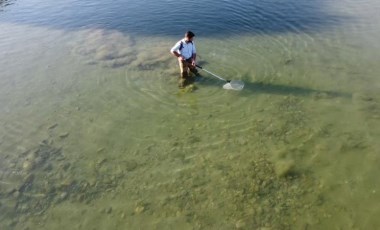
(270,88)
(260,87)
(277,89)
(210,18)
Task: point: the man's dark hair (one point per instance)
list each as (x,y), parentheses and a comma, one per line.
(189,34)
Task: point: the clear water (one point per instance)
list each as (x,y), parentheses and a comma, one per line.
(95,133)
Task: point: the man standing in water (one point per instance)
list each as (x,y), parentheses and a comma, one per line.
(185,51)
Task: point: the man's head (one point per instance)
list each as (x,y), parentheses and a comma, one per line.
(189,36)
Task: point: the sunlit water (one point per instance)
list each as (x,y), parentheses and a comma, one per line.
(95,133)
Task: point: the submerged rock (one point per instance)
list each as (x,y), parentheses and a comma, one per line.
(240,224)
(109,210)
(131,165)
(284,168)
(139,209)
(28,165)
(53,126)
(63,195)
(64,135)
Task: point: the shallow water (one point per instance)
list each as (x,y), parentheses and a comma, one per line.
(96,135)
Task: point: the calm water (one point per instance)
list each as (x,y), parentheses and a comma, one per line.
(96,135)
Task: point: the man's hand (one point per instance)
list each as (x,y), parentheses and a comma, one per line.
(178,55)
(193,63)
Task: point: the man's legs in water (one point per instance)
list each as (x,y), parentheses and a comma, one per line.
(185,78)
